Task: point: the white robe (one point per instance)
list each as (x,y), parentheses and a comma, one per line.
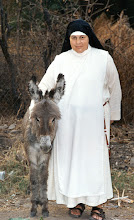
(79,170)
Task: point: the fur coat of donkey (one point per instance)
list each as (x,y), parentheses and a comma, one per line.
(39,128)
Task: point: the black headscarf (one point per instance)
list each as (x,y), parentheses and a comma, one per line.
(83,26)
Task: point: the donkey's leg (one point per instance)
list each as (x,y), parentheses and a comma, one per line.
(43,187)
(34,188)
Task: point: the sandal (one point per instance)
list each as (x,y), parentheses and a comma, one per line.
(80,207)
(100,213)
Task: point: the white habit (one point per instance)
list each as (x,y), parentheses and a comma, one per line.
(79,170)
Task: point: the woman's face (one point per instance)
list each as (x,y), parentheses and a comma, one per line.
(79,43)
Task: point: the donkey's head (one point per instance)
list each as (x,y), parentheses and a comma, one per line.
(44,113)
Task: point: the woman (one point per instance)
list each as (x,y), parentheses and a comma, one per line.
(79,171)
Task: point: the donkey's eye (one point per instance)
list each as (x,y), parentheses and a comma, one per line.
(53,120)
(37,119)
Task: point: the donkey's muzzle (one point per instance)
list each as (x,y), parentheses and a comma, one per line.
(45,143)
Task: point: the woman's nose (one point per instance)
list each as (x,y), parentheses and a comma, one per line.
(78,41)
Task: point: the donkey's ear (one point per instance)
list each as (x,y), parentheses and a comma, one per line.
(57,93)
(34,91)
(33,78)
(51,93)
(46,94)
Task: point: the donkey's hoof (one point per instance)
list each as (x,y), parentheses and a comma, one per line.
(45,214)
(33,213)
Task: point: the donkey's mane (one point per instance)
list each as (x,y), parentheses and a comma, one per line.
(46,108)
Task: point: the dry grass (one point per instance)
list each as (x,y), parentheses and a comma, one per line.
(17,178)
(123,181)
(17,175)
(122,46)
(13,162)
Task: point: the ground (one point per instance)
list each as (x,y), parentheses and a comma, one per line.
(19,207)
(122,153)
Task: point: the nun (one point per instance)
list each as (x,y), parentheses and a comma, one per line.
(79,169)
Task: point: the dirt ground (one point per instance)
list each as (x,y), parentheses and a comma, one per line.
(20,207)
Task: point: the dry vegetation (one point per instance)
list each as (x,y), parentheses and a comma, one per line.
(13,161)
(122,49)
(17,174)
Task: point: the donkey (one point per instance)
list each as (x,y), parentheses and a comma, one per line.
(39,128)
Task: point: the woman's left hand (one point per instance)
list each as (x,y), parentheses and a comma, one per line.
(111,122)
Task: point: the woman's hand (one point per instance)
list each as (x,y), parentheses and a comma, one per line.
(111,122)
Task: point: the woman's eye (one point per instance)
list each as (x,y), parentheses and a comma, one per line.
(73,38)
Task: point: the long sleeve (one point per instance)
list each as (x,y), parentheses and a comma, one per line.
(48,80)
(114,88)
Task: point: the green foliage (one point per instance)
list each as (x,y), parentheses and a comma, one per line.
(31,12)
(16,177)
(122,180)
(53,4)
(32,17)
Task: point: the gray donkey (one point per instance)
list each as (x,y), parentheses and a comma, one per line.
(39,128)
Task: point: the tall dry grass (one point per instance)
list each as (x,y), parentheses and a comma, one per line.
(121,46)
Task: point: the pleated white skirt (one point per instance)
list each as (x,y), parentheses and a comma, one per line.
(53,185)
